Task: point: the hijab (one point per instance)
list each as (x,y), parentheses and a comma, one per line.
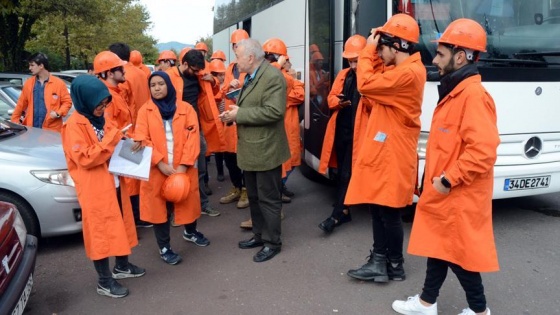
(168,104)
(87,92)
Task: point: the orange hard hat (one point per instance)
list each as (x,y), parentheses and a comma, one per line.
(105,61)
(183,52)
(464,33)
(275,46)
(317,56)
(238,35)
(354,44)
(201,46)
(218,54)
(402,26)
(166,55)
(217,65)
(135,57)
(175,188)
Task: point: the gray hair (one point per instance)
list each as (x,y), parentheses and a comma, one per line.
(252,47)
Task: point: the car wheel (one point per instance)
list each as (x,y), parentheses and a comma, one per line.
(27,214)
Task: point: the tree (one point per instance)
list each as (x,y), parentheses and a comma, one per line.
(208,41)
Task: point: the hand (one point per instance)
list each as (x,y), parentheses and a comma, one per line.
(229,116)
(233,85)
(436,182)
(208,77)
(54,114)
(282,61)
(182,168)
(137,146)
(166,169)
(344,103)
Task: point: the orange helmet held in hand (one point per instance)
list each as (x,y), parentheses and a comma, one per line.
(464,33)
(183,52)
(167,55)
(135,58)
(402,26)
(354,44)
(238,35)
(201,46)
(105,61)
(217,65)
(218,54)
(275,46)
(175,188)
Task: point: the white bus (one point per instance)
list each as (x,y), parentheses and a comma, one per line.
(521,69)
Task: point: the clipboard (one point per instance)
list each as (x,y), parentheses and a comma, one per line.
(126,152)
(122,166)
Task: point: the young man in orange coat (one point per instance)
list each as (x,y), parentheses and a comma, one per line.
(453,221)
(385,171)
(343,101)
(44,98)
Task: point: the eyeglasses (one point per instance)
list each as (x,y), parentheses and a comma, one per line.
(194,70)
(121,69)
(104,104)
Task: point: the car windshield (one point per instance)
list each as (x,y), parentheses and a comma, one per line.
(520,32)
(12,91)
(9,129)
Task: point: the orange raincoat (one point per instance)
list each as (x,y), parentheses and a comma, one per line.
(106,231)
(186,148)
(230,132)
(385,170)
(135,89)
(463,140)
(210,124)
(57,98)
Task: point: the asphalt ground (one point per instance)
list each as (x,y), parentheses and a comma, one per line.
(309,275)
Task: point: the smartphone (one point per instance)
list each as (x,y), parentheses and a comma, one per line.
(342,97)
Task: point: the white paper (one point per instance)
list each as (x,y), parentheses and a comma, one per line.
(123,167)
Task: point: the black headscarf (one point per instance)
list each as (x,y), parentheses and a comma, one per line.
(168,104)
(87,92)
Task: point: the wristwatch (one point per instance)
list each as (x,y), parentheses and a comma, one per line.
(445,182)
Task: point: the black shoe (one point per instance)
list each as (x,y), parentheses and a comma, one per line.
(220,177)
(112,289)
(251,243)
(128,271)
(328,225)
(395,270)
(344,218)
(286,192)
(143,224)
(375,269)
(207,190)
(266,253)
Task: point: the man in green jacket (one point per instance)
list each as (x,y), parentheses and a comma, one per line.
(262,145)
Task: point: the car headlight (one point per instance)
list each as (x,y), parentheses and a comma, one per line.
(19,226)
(422,145)
(57,177)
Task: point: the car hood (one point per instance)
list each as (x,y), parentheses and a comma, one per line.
(35,147)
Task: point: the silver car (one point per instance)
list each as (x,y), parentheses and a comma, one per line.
(34,177)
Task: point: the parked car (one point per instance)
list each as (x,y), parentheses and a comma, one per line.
(14,78)
(67,76)
(35,178)
(9,95)
(18,252)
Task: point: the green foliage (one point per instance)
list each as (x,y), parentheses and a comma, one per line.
(208,41)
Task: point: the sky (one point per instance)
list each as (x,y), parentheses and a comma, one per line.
(184,21)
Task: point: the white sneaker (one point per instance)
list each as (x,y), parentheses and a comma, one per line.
(468,311)
(412,306)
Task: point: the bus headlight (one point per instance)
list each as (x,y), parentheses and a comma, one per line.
(422,144)
(56,177)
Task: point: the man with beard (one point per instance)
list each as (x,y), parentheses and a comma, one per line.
(44,98)
(453,221)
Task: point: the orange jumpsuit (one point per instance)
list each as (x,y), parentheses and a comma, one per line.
(186,148)
(230,132)
(57,98)
(385,170)
(463,140)
(106,231)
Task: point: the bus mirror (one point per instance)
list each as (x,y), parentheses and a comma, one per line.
(538,18)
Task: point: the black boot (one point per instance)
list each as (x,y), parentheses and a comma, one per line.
(375,269)
(395,269)
(107,285)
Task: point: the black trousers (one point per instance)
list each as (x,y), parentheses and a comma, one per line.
(471,282)
(235,173)
(162,230)
(264,190)
(387,231)
(343,150)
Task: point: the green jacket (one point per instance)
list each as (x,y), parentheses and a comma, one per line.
(262,143)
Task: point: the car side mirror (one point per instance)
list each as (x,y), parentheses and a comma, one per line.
(539,18)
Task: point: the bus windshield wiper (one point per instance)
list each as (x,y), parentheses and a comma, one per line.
(538,53)
(520,62)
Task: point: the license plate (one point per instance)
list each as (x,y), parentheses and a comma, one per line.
(526,183)
(18,310)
